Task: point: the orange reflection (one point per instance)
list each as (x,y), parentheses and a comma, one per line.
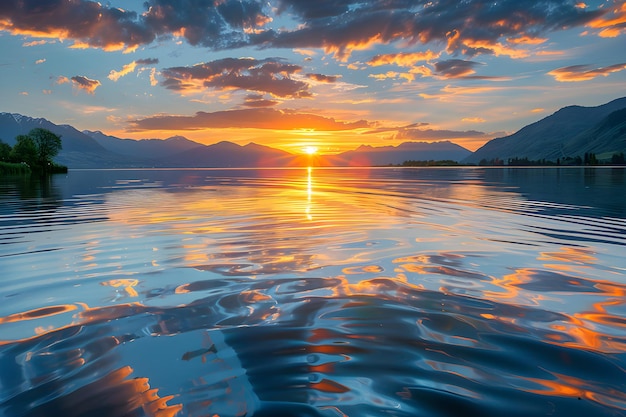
(568,386)
(569,254)
(127,284)
(327,385)
(38,313)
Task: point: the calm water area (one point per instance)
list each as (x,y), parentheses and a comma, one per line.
(314,292)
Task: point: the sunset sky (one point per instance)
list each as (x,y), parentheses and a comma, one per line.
(297,73)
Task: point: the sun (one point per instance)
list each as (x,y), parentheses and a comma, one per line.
(310,150)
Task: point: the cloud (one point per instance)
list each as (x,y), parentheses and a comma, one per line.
(37,43)
(126,69)
(257,100)
(85,22)
(471,27)
(147,61)
(324,78)
(271,75)
(408,59)
(40,61)
(393,75)
(611,24)
(61,80)
(435,134)
(455,68)
(473,120)
(153,79)
(86,84)
(306,52)
(577,73)
(259,118)
(339,27)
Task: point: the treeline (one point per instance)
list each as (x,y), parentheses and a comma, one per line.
(588,159)
(32,152)
(430,163)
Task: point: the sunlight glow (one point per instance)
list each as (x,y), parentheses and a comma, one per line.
(310,150)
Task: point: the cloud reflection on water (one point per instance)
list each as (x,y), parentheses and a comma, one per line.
(407,292)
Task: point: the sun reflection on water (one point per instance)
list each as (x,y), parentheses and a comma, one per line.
(404,292)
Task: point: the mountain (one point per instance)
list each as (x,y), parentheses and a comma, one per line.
(607,137)
(366,155)
(144,148)
(94,149)
(79,150)
(571,131)
(230,155)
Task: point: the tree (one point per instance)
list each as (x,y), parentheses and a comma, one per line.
(24,150)
(5,151)
(47,144)
(618,158)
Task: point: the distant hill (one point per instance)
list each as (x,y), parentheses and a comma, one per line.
(569,132)
(95,149)
(366,155)
(230,155)
(144,148)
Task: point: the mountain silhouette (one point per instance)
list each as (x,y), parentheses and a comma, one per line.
(569,132)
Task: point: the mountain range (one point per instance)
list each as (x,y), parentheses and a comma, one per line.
(569,132)
(94,149)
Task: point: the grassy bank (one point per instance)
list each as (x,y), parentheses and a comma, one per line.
(7,168)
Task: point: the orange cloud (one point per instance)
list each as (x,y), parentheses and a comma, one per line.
(577,73)
(126,69)
(613,24)
(255,118)
(473,119)
(62,80)
(403,59)
(85,84)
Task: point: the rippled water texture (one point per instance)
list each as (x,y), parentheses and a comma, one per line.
(319,292)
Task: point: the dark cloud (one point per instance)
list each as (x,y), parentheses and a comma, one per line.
(257,100)
(270,75)
(324,78)
(147,61)
(455,68)
(471,26)
(85,83)
(259,118)
(340,26)
(82,21)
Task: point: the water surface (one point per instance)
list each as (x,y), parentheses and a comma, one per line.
(314,292)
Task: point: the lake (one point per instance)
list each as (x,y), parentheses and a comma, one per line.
(314,292)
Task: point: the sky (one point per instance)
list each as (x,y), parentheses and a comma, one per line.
(329,74)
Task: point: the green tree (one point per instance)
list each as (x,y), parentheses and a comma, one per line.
(5,151)
(47,144)
(618,158)
(24,150)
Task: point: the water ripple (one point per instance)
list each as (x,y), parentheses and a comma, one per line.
(366,292)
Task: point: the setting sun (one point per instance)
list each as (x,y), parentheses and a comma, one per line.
(310,150)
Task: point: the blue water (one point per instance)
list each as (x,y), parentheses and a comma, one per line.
(314,292)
